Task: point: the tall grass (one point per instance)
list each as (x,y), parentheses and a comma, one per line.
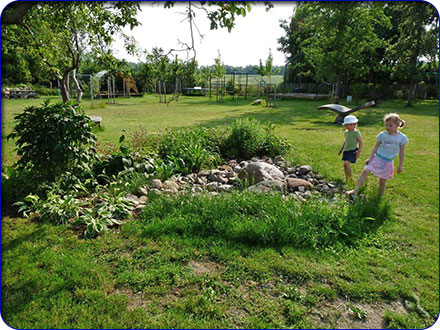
(266,220)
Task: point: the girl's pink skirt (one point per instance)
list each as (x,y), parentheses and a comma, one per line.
(381,168)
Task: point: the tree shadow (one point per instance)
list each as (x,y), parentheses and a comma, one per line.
(305,111)
(37,234)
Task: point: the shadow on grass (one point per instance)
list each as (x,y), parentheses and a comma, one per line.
(18,297)
(37,234)
(305,111)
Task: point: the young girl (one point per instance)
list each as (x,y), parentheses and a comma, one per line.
(389,143)
(350,146)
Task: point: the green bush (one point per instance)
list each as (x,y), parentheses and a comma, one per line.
(16,184)
(188,149)
(44,91)
(274,145)
(249,138)
(101,209)
(53,139)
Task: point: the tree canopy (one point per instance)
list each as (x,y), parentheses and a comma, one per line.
(360,41)
(59,34)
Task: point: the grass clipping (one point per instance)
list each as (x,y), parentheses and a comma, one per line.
(266,220)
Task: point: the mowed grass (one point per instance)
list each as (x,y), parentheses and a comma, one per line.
(142,276)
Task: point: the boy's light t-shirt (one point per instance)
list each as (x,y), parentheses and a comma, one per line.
(390,144)
(351,142)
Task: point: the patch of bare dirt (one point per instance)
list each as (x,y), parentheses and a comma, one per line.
(200,268)
(135,300)
(341,314)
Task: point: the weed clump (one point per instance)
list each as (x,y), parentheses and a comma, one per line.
(249,138)
(266,220)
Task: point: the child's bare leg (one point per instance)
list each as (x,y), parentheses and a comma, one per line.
(359,182)
(347,170)
(382,186)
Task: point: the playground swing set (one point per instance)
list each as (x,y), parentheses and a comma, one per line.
(126,83)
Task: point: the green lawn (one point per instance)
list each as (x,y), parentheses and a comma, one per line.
(129,278)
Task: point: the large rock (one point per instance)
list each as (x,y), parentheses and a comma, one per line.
(293,184)
(268,186)
(156,183)
(305,169)
(212,186)
(260,171)
(170,185)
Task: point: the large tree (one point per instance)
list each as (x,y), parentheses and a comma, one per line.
(335,39)
(61,32)
(416,42)
(291,46)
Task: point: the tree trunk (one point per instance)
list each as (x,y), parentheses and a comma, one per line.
(413,72)
(78,87)
(65,87)
(338,89)
(410,92)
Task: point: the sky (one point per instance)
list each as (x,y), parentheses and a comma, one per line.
(247,43)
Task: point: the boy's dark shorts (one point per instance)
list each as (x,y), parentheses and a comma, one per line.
(350,155)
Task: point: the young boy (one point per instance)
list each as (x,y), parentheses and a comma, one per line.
(350,146)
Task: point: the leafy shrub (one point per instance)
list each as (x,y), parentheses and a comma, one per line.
(123,160)
(192,148)
(55,209)
(249,138)
(53,139)
(274,145)
(246,139)
(16,184)
(101,210)
(42,90)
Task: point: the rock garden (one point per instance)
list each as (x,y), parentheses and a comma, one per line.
(260,175)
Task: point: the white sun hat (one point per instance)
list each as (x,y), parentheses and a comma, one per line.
(350,119)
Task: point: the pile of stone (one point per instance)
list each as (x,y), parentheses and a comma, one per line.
(262,175)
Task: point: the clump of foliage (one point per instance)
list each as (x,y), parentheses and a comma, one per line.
(120,160)
(53,139)
(249,138)
(267,220)
(96,210)
(188,149)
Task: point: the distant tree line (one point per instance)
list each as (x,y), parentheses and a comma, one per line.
(250,69)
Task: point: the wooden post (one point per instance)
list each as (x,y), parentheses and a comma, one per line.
(114,90)
(233,86)
(129,87)
(108,89)
(165,92)
(91,89)
(159,87)
(246,90)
